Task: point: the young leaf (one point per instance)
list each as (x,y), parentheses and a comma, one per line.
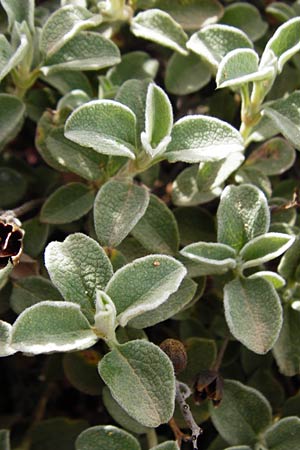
(119,205)
(284,434)
(5,341)
(213,42)
(12,55)
(158,26)
(105,125)
(19,11)
(247,407)
(140,377)
(68,203)
(63,25)
(157,230)
(202,138)
(108,437)
(78,267)
(253,312)
(264,248)
(243,213)
(12,111)
(52,327)
(212,258)
(143,285)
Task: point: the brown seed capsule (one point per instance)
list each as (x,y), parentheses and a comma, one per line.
(176,352)
(11,236)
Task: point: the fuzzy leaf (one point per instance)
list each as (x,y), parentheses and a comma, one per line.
(213,42)
(5,342)
(68,203)
(105,125)
(52,327)
(212,174)
(253,312)
(290,261)
(247,407)
(63,25)
(19,11)
(158,26)
(157,230)
(12,55)
(119,205)
(108,437)
(276,280)
(143,285)
(78,267)
(12,111)
(134,65)
(243,213)
(202,138)
(284,434)
(212,258)
(140,377)
(169,445)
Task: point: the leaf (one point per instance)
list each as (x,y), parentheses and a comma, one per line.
(186,74)
(290,261)
(12,55)
(280,11)
(52,327)
(274,157)
(105,125)
(251,175)
(253,312)
(201,138)
(5,343)
(108,437)
(195,224)
(243,213)
(68,203)
(284,43)
(157,230)
(4,440)
(13,187)
(12,111)
(134,65)
(158,121)
(85,51)
(19,11)
(72,100)
(141,379)
(78,267)
(276,280)
(174,304)
(212,258)
(67,80)
(59,433)
(35,238)
(246,17)
(239,447)
(119,205)
(284,434)
(158,26)
(168,445)
(213,42)
(63,25)
(80,369)
(143,285)
(201,355)
(240,66)
(119,415)
(286,350)
(247,407)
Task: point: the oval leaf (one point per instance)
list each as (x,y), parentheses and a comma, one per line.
(284,434)
(12,111)
(5,340)
(108,437)
(212,258)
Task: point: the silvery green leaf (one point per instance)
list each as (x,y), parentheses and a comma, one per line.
(158,26)
(105,316)
(274,157)
(118,206)
(290,261)
(5,341)
(67,80)
(143,285)
(157,230)
(281,11)
(284,43)
(119,415)
(19,11)
(240,66)
(105,125)
(213,42)
(286,350)
(198,138)
(12,111)
(4,440)
(256,177)
(253,313)
(141,379)
(186,192)
(213,258)
(78,267)
(246,17)
(67,204)
(134,65)
(85,51)
(169,445)
(247,407)
(63,25)
(52,327)
(73,99)
(273,277)
(243,213)
(284,434)
(174,304)
(158,121)
(19,52)
(108,437)
(264,248)
(212,174)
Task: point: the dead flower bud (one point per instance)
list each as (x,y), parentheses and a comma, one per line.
(209,384)
(11,237)
(176,352)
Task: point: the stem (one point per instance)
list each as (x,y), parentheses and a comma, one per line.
(152,438)
(220,356)
(26,207)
